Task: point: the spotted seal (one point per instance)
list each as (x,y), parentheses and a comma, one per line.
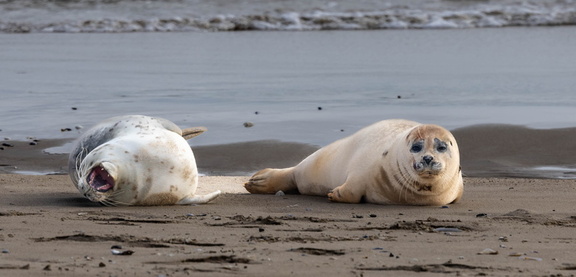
(136,160)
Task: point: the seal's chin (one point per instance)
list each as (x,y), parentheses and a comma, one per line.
(100,180)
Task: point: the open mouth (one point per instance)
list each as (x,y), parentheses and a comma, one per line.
(100,180)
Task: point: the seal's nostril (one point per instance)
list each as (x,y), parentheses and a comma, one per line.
(428,159)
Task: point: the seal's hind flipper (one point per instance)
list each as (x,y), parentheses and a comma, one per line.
(189,133)
(270,181)
(199,199)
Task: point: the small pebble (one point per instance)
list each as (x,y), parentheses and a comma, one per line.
(47,268)
(248,124)
(7,144)
(527,258)
(482,215)
(260,229)
(445,207)
(256,112)
(101,264)
(319,108)
(399,97)
(280,193)
(65,130)
(373,215)
(516,254)
(122,253)
(78,127)
(453,230)
(74,108)
(488,251)
(33,143)
(357,216)
(5,251)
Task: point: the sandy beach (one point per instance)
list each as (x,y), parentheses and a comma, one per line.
(503,227)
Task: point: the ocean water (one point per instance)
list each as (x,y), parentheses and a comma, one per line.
(308,71)
(22,16)
(310,87)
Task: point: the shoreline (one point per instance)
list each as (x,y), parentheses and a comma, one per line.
(491,150)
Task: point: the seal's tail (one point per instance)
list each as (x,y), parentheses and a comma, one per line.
(199,199)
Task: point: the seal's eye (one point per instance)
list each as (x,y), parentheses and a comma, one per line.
(417,147)
(441,146)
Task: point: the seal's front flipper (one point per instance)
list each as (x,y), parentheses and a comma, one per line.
(199,199)
(189,133)
(344,194)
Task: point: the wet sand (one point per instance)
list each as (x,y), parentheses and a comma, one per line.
(503,227)
(486,151)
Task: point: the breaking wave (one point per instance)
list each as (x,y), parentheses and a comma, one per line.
(87,18)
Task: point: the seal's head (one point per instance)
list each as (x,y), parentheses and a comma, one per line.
(433,155)
(104,175)
(99,181)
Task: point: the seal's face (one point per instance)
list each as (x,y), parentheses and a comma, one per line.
(431,148)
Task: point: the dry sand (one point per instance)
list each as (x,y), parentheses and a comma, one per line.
(47,229)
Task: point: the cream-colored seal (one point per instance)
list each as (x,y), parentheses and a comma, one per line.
(389,162)
(136,160)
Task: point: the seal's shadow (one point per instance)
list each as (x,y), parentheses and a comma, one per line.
(54,200)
